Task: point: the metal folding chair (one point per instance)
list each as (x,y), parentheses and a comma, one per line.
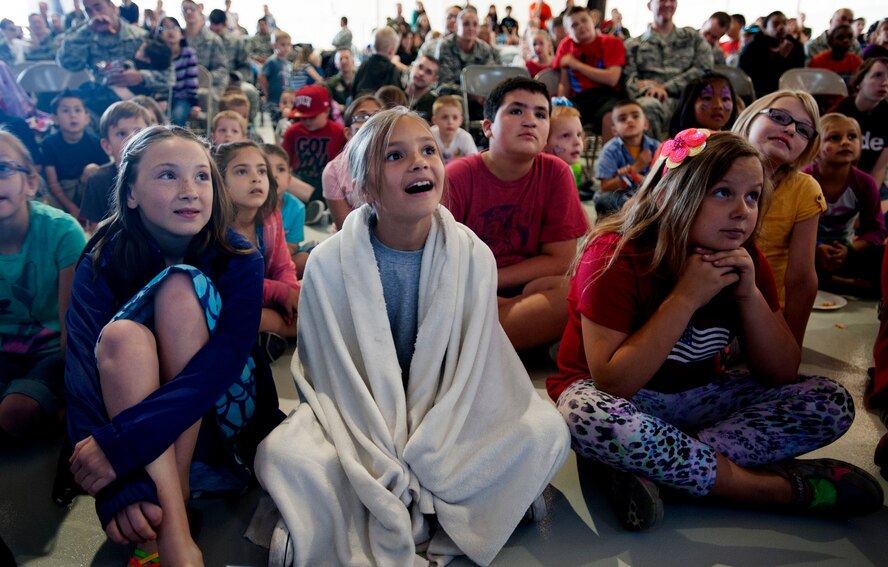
(814,81)
(550,78)
(49,77)
(739,80)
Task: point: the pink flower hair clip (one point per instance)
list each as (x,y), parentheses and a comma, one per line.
(686,143)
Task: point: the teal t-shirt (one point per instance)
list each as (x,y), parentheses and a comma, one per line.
(293,215)
(29,282)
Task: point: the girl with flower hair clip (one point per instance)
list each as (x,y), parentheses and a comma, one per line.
(658,291)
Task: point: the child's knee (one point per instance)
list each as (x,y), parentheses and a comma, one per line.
(177,293)
(120,338)
(19,414)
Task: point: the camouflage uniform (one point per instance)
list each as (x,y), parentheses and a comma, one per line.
(673,61)
(82,48)
(211,54)
(452,60)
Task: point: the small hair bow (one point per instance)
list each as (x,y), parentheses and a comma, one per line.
(686,143)
(561,101)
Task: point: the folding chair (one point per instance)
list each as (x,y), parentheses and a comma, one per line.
(739,80)
(207,93)
(814,81)
(46,77)
(480,80)
(550,78)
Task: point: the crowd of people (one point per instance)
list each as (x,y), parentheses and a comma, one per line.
(150,276)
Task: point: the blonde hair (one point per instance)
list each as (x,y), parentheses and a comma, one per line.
(666,204)
(233,99)
(230,115)
(833,119)
(744,123)
(365,153)
(18,147)
(385,40)
(279,35)
(563,112)
(446,100)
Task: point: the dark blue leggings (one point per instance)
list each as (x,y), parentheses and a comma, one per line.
(673,439)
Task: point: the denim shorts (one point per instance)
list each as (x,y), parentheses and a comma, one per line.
(40,377)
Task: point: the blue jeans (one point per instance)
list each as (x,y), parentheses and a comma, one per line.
(179,111)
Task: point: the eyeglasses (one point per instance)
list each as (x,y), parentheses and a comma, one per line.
(10,168)
(361,118)
(805,130)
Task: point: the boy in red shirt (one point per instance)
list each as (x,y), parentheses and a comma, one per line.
(591,64)
(314,140)
(839,57)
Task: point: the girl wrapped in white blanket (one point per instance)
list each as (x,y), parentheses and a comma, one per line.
(422,437)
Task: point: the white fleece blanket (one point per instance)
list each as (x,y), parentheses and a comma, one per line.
(359,470)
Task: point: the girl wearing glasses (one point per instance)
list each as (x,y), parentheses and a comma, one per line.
(781,126)
(338,191)
(38,248)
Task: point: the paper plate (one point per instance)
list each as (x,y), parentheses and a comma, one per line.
(826,301)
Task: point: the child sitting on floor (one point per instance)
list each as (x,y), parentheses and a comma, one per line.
(658,291)
(398,449)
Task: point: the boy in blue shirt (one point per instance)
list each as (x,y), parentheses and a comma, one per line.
(625,159)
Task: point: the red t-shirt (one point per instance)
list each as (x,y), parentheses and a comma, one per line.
(602,52)
(626,295)
(534,68)
(309,152)
(545,13)
(845,66)
(515,217)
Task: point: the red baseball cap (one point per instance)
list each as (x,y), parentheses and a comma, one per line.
(311,101)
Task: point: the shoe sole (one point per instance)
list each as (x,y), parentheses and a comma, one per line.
(636,502)
(280,552)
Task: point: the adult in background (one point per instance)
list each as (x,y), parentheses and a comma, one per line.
(43,46)
(107,38)
(712,31)
(771,53)
(239,69)
(341,85)
(343,38)
(208,46)
(259,46)
(821,43)
(420,89)
(463,49)
(661,62)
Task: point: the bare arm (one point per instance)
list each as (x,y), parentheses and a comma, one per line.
(52,180)
(564,83)
(801,277)
(339,209)
(300,189)
(622,364)
(553,260)
(608,76)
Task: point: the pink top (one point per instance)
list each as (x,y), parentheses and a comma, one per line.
(280,271)
(337,181)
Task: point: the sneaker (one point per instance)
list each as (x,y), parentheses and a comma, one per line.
(537,511)
(635,500)
(830,488)
(273,344)
(280,552)
(315,212)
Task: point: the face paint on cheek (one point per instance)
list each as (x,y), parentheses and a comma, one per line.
(727,99)
(558,150)
(706,94)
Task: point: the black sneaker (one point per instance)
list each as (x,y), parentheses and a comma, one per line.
(273,344)
(830,488)
(635,500)
(315,212)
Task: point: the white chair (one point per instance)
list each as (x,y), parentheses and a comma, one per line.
(550,78)
(48,77)
(814,81)
(741,82)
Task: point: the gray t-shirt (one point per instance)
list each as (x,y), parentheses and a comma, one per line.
(399,272)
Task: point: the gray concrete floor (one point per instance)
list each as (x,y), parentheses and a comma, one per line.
(579,529)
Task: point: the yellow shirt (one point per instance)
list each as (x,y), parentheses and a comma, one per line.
(796,199)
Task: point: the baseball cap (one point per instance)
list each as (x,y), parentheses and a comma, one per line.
(311,101)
